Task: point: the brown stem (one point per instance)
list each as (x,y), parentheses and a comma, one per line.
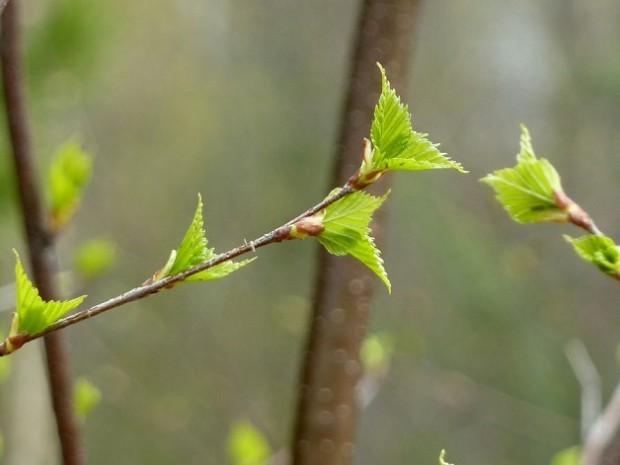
(40,244)
(327,408)
(277,235)
(576,214)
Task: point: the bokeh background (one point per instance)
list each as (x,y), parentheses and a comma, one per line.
(240,100)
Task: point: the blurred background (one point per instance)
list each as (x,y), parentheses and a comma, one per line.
(240,100)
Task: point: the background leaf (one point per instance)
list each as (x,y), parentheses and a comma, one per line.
(86,397)
(69,173)
(247,445)
(570,456)
(95,257)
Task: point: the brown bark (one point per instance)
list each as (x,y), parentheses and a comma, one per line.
(39,240)
(327,412)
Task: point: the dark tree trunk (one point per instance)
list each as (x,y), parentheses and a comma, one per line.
(40,241)
(327,412)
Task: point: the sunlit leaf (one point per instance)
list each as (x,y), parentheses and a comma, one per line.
(247,445)
(396,145)
(69,173)
(601,251)
(86,397)
(194,250)
(95,257)
(530,190)
(33,314)
(347,232)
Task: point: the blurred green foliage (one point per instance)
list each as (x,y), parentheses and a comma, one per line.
(570,456)
(86,398)
(95,257)
(69,174)
(247,445)
(377,351)
(67,38)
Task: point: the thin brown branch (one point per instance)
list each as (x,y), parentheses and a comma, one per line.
(277,235)
(328,408)
(40,244)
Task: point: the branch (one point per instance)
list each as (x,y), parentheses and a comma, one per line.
(277,235)
(590,382)
(3,4)
(576,214)
(40,242)
(602,445)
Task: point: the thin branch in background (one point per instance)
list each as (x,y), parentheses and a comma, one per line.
(600,428)
(590,382)
(40,242)
(327,409)
(602,444)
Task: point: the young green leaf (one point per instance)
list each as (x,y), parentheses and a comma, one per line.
(397,146)
(442,458)
(86,397)
(247,445)
(346,231)
(69,173)
(531,191)
(600,251)
(194,250)
(33,314)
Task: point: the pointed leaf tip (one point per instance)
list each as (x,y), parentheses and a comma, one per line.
(33,314)
(193,251)
(397,146)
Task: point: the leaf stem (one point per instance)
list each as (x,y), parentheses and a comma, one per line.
(278,234)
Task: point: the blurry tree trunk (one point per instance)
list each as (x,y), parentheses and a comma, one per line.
(27,420)
(40,241)
(327,411)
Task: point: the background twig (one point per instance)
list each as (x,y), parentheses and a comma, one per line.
(590,383)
